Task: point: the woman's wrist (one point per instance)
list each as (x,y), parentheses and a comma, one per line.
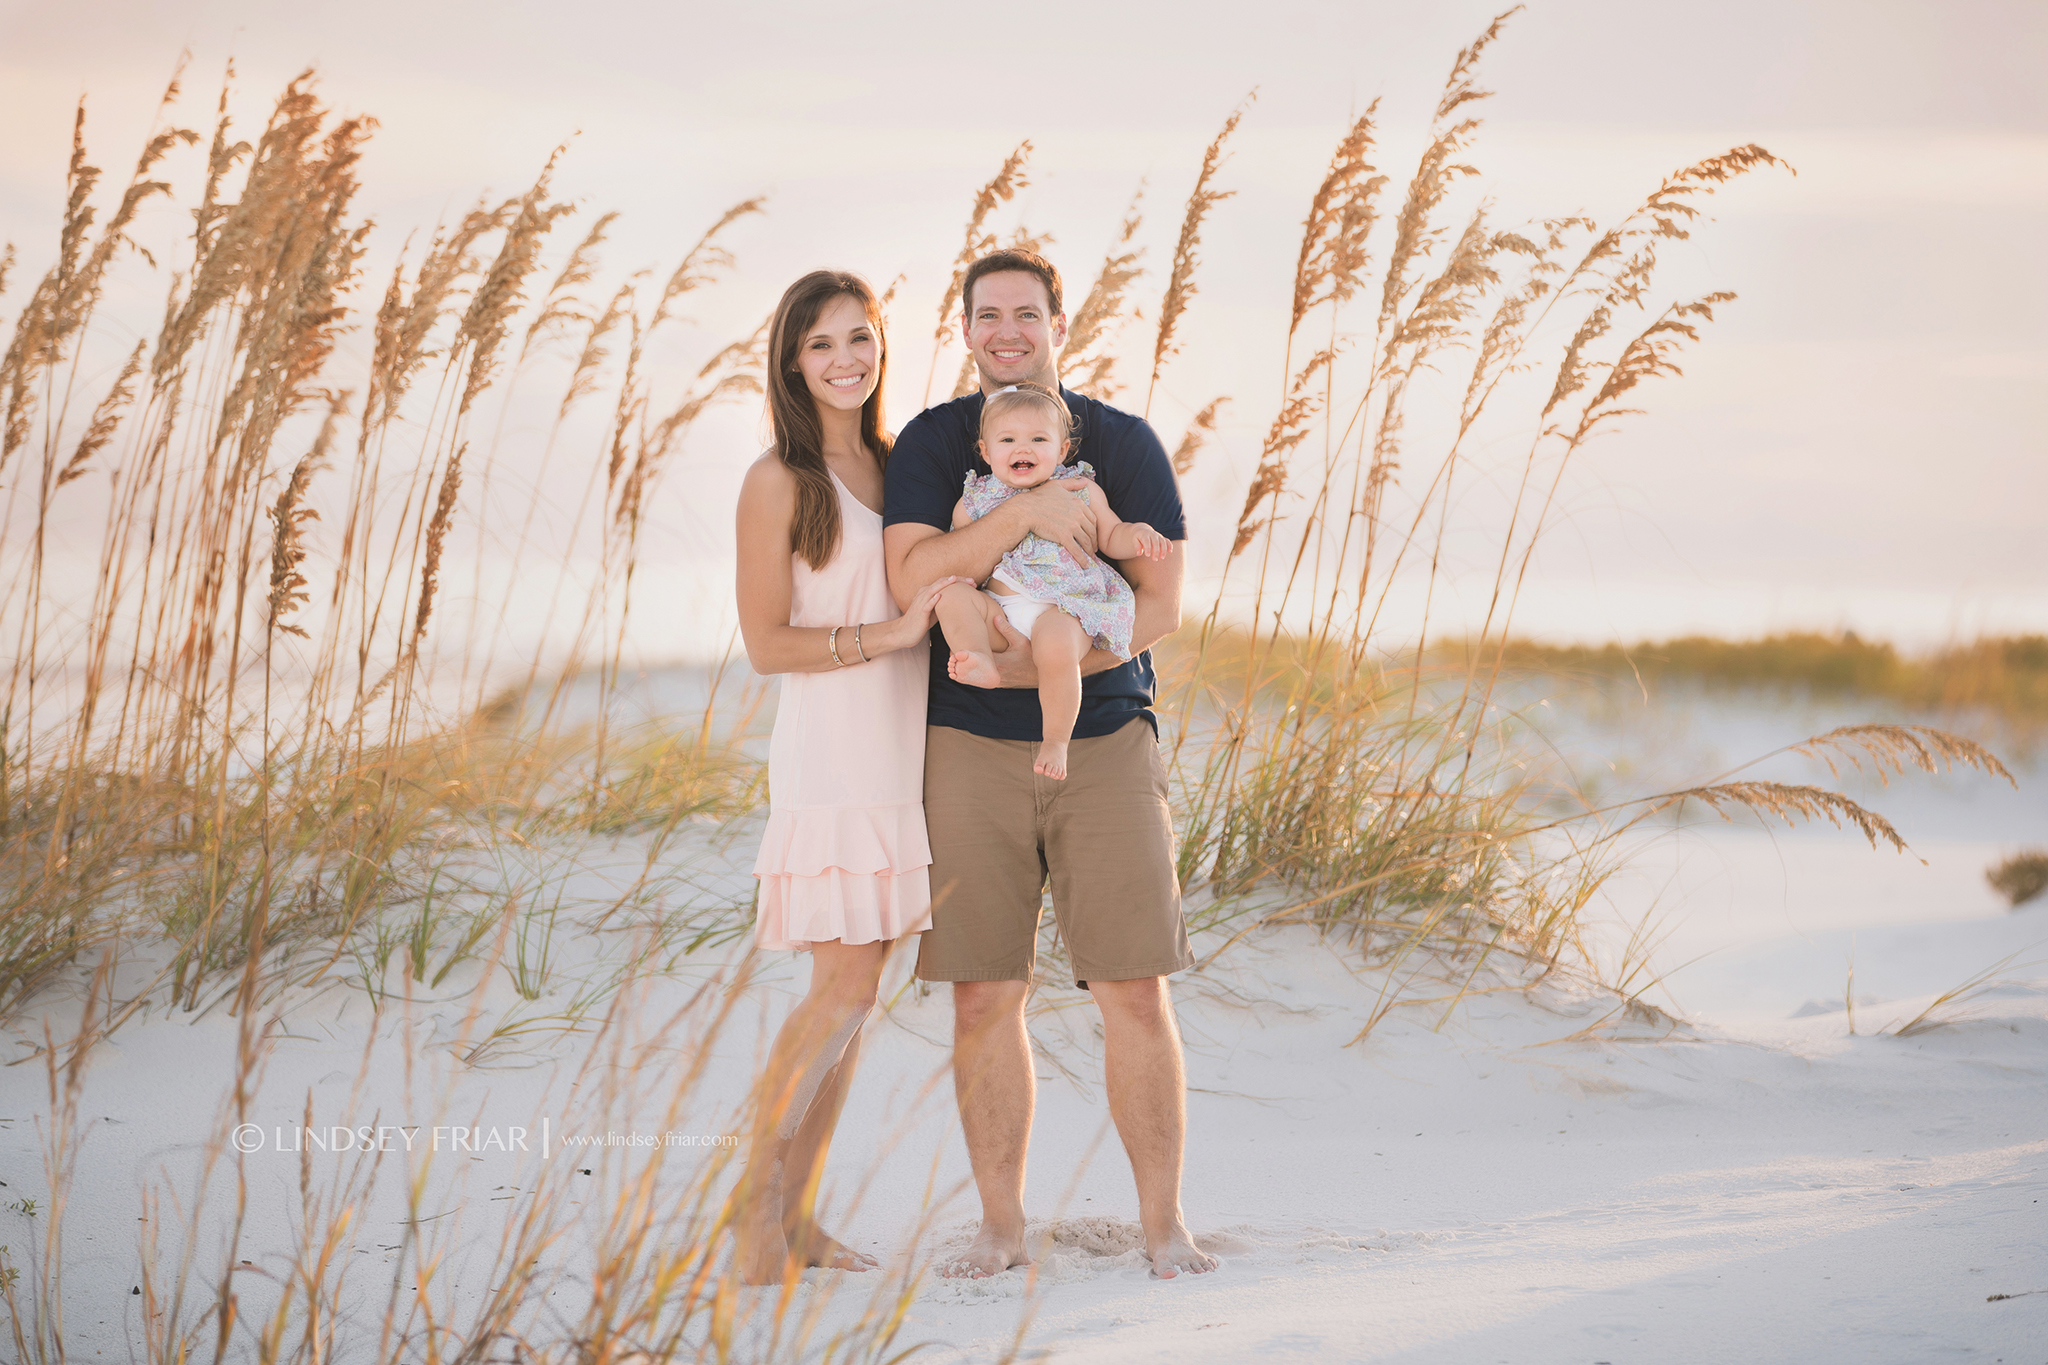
(885,637)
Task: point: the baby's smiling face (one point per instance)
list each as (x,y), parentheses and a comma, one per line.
(1022,446)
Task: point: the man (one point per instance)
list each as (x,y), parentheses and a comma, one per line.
(1104,835)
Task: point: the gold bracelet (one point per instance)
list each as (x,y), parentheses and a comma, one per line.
(832,643)
(857,644)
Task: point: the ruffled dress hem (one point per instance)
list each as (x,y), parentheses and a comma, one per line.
(854,874)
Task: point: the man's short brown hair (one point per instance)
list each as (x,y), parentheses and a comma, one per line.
(1013,258)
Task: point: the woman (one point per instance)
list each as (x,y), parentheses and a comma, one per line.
(844,867)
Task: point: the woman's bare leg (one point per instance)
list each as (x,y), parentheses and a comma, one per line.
(964,617)
(1058,644)
(807,1152)
(796,1104)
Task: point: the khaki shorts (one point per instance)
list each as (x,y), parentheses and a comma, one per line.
(1104,836)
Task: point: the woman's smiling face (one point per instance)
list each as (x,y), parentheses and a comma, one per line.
(1022,445)
(841,355)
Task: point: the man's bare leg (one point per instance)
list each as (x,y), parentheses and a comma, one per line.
(1147,1084)
(799,1079)
(963,611)
(1058,644)
(997,1091)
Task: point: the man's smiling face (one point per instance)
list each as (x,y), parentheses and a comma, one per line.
(1010,332)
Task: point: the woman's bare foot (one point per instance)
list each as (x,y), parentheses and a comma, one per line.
(761,1248)
(975,670)
(1052,759)
(833,1254)
(990,1253)
(1176,1253)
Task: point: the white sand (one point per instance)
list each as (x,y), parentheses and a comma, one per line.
(1529,1176)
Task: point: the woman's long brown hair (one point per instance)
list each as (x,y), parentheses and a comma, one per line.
(793,413)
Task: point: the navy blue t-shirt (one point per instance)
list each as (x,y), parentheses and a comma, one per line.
(927,467)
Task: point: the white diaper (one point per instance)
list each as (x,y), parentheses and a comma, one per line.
(1021,608)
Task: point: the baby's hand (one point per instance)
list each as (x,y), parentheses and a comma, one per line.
(1150,543)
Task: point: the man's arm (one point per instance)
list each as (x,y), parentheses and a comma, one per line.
(1155,583)
(919,553)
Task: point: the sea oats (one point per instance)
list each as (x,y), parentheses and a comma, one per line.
(105,418)
(1792,803)
(975,243)
(287,516)
(1087,359)
(1199,431)
(583,378)
(1341,216)
(437,538)
(560,306)
(705,261)
(501,292)
(1180,280)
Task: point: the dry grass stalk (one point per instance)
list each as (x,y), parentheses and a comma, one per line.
(489,318)
(976,242)
(405,325)
(1088,358)
(658,442)
(1790,803)
(1198,434)
(1341,216)
(560,306)
(705,262)
(1927,1020)
(1180,280)
(1291,426)
(287,550)
(105,418)
(583,379)
(1895,748)
(437,537)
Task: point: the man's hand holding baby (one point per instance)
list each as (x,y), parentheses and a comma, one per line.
(1054,513)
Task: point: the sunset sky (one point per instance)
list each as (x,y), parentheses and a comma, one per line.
(1859,441)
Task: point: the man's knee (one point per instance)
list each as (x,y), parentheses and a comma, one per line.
(1144,1002)
(980,1005)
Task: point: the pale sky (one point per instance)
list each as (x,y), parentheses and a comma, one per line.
(1858,442)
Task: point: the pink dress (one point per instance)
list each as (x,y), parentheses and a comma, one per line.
(845,854)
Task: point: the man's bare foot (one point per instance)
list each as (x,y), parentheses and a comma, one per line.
(975,670)
(1052,759)
(1176,1253)
(833,1254)
(990,1253)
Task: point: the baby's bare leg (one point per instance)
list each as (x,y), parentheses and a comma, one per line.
(1058,644)
(964,617)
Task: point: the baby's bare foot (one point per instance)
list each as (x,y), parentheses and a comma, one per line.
(975,670)
(1052,759)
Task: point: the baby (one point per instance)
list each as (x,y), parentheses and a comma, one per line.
(1048,596)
